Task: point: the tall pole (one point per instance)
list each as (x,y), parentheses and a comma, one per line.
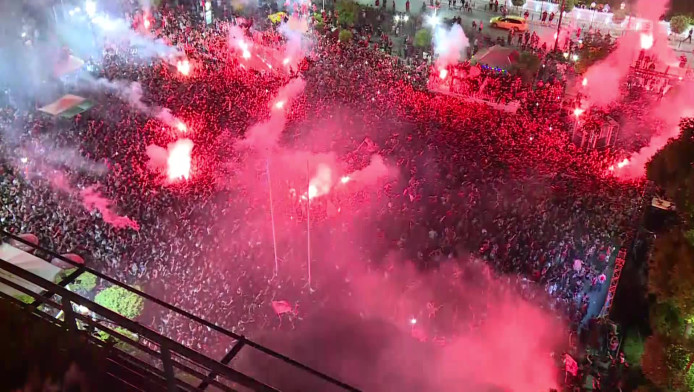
(272,215)
(308,224)
(561,15)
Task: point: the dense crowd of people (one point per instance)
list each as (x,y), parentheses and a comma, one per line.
(473,182)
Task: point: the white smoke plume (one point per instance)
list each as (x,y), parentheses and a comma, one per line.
(449,45)
(266,134)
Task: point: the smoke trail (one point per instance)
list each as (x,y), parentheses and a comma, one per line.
(92,199)
(265,135)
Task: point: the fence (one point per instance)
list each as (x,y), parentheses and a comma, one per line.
(172,363)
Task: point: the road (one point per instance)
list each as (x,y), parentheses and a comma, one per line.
(545,31)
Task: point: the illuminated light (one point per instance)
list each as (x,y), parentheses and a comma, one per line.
(181,126)
(566,55)
(208,5)
(413,321)
(179,161)
(681,78)
(646,41)
(611,168)
(574,57)
(90,8)
(345,179)
(443,73)
(183,67)
(584,82)
(406,18)
(312,191)
(24,159)
(622,163)
(285,61)
(555,35)
(578,112)
(531,138)
(246,54)
(146,23)
(279,104)
(433,20)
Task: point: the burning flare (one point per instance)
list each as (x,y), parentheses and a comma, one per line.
(179,161)
(183,67)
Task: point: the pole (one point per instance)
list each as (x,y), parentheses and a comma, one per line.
(308,224)
(561,15)
(272,214)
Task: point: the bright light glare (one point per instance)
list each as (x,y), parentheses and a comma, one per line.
(578,112)
(285,61)
(413,321)
(344,179)
(433,20)
(24,159)
(443,73)
(584,82)
(244,48)
(406,18)
(146,22)
(181,126)
(179,160)
(566,55)
(312,191)
(574,57)
(279,104)
(183,67)
(622,163)
(646,41)
(90,8)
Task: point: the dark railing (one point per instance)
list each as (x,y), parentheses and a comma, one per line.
(160,354)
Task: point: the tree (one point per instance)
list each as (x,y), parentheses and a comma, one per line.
(679,24)
(121,301)
(664,363)
(633,347)
(527,66)
(422,38)
(347,11)
(671,272)
(672,171)
(86,282)
(593,51)
(345,36)
(518,3)
(569,5)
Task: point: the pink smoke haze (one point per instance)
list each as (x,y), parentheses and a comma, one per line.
(93,200)
(499,342)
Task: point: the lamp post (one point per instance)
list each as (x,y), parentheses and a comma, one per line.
(592,18)
(561,15)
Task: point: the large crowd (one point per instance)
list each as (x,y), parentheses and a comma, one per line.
(473,182)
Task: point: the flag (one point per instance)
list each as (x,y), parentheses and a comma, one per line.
(662,204)
(281,307)
(571,365)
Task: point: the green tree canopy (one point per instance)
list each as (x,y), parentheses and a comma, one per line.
(664,362)
(121,301)
(592,51)
(569,5)
(422,38)
(345,36)
(633,347)
(671,272)
(518,3)
(679,24)
(347,11)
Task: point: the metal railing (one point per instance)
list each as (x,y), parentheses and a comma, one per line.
(161,356)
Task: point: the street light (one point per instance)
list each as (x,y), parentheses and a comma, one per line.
(592,18)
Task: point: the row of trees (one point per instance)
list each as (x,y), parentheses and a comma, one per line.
(669,353)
